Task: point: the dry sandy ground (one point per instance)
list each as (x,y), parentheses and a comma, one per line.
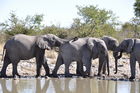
(28,67)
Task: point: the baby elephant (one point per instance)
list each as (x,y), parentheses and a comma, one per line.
(24,47)
(131,46)
(82,51)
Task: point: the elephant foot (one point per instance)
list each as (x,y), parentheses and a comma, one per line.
(99,74)
(37,76)
(105,73)
(3,75)
(16,76)
(78,72)
(47,71)
(86,76)
(54,75)
(68,75)
(131,78)
(49,75)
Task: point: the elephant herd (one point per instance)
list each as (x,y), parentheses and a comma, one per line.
(81,50)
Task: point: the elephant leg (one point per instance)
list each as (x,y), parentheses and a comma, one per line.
(104,67)
(46,67)
(15,72)
(38,68)
(67,64)
(132,66)
(139,64)
(39,61)
(88,66)
(5,64)
(79,70)
(100,66)
(58,63)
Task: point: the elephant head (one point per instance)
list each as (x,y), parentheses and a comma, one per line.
(48,41)
(125,46)
(98,49)
(110,42)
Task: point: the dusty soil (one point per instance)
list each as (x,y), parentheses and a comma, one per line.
(28,67)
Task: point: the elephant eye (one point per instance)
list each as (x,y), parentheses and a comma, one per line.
(52,41)
(53,38)
(46,39)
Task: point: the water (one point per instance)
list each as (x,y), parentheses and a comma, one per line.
(67,85)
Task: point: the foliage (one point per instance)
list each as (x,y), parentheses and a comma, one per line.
(29,25)
(94,22)
(136,20)
(61,32)
(137,8)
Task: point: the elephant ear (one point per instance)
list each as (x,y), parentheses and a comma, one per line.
(130,45)
(90,43)
(43,43)
(110,42)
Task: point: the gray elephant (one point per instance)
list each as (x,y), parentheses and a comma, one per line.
(82,51)
(24,47)
(131,46)
(112,45)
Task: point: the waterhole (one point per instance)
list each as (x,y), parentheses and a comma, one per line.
(67,85)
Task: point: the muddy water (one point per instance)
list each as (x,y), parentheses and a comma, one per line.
(67,85)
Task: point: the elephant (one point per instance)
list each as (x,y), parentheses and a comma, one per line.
(82,51)
(111,44)
(24,47)
(132,47)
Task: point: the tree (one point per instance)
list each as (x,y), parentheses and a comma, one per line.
(137,8)
(34,22)
(92,20)
(29,25)
(136,19)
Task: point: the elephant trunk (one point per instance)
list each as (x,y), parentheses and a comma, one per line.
(60,41)
(116,56)
(107,61)
(116,66)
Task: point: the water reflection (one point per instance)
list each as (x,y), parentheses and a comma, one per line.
(67,85)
